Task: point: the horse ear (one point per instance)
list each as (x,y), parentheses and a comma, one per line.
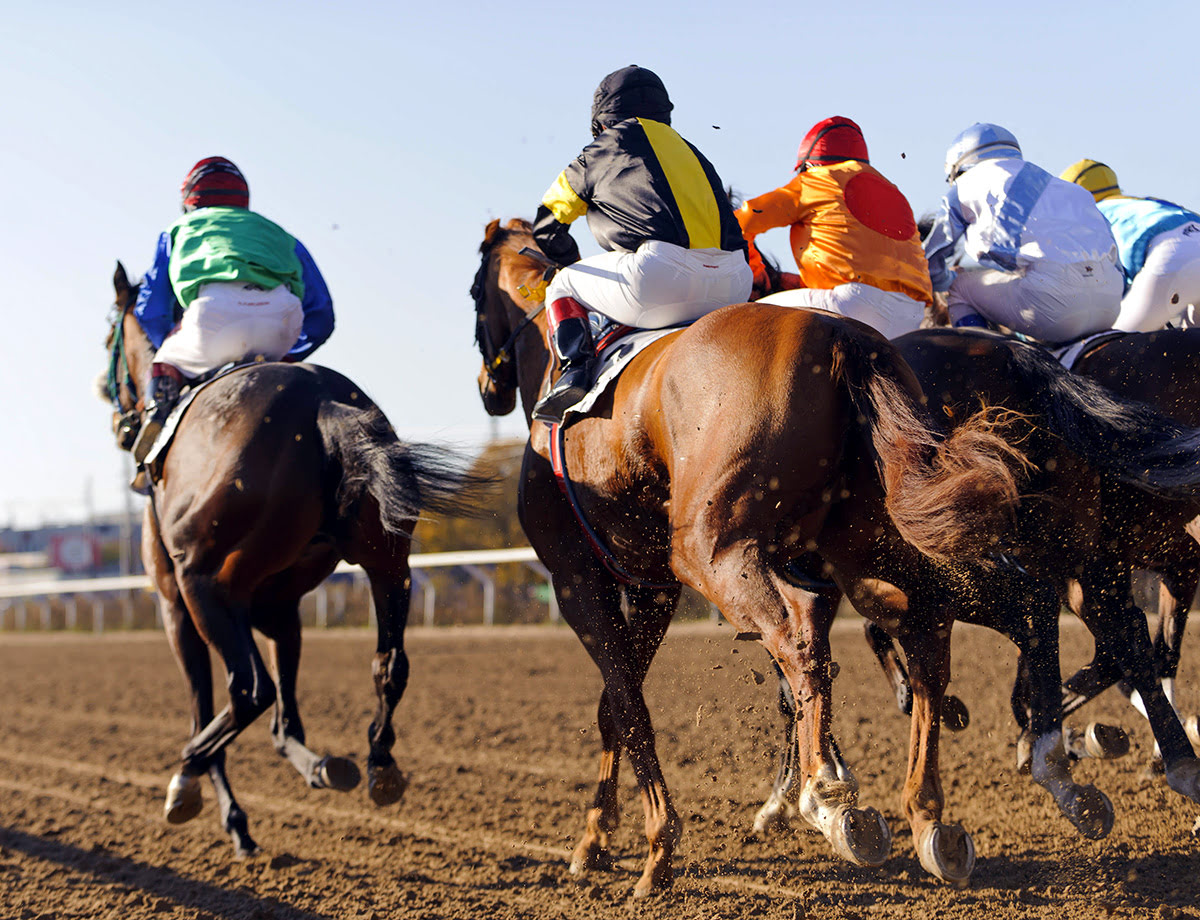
(120,279)
(489,234)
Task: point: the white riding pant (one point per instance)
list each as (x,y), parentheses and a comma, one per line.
(659,285)
(888,312)
(1051,301)
(230,321)
(1168,283)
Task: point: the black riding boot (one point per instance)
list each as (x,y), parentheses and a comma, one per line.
(164,393)
(572,343)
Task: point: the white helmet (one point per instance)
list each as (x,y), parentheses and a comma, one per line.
(981,141)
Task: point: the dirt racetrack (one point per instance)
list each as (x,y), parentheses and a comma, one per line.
(497,734)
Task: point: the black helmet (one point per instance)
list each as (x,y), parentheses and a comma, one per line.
(631,92)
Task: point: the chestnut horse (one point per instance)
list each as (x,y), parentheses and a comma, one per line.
(276,473)
(1098,457)
(726,457)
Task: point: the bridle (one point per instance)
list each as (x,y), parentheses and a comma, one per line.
(119,375)
(498,362)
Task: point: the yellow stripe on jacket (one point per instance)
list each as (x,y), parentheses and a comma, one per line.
(689,184)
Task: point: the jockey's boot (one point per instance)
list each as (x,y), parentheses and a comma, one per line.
(571,340)
(164,393)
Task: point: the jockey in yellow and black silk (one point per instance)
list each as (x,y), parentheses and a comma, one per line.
(675,250)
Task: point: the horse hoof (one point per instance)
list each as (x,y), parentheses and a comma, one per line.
(955,715)
(184,800)
(1025,754)
(1105,742)
(590,856)
(658,876)
(338,773)
(775,815)
(861,836)
(1191,725)
(1091,812)
(1184,778)
(947,853)
(386,785)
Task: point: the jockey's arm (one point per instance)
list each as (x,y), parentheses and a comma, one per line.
(939,245)
(561,205)
(317,305)
(156,305)
(780,208)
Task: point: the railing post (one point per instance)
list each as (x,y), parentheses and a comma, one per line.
(322,606)
(72,612)
(489,592)
(555,613)
(97,615)
(428,593)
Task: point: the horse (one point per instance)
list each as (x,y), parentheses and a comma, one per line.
(276,472)
(726,457)
(1097,453)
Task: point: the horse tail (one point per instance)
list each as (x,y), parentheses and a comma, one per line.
(1129,440)
(404,479)
(951,496)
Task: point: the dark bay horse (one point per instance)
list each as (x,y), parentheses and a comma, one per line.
(728,455)
(276,473)
(1093,453)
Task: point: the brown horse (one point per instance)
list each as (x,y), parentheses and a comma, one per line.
(276,473)
(1097,457)
(727,455)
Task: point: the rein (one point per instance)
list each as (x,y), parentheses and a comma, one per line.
(120,375)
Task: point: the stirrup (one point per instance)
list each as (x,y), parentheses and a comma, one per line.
(141,483)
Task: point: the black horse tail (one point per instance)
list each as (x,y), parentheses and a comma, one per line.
(1129,440)
(405,480)
(951,496)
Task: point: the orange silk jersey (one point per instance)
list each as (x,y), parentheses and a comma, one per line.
(848,224)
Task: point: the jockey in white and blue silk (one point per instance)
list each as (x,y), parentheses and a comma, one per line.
(1047,260)
(1159,243)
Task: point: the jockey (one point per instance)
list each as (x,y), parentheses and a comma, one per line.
(853,234)
(657,205)
(1159,244)
(245,287)
(1047,259)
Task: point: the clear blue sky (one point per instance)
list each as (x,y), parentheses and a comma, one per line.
(386,135)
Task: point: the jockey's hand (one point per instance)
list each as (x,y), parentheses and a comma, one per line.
(789,281)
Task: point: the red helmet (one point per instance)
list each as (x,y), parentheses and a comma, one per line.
(831,141)
(215,182)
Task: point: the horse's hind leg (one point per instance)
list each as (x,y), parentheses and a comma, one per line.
(320,772)
(946,851)
(390,589)
(955,715)
(183,796)
(650,611)
(226,626)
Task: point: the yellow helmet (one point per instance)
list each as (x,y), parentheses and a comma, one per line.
(1097,178)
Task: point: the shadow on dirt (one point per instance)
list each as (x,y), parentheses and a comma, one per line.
(154,881)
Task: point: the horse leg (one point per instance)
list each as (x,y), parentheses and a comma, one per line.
(281,625)
(1174,602)
(390,589)
(780,807)
(946,851)
(1121,634)
(794,625)
(955,715)
(1036,635)
(184,800)
(226,627)
(650,612)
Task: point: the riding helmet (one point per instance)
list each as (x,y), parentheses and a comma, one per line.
(631,92)
(1094,176)
(832,141)
(215,182)
(981,141)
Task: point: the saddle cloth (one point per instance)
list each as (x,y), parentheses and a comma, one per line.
(616,346)
(1070,353)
